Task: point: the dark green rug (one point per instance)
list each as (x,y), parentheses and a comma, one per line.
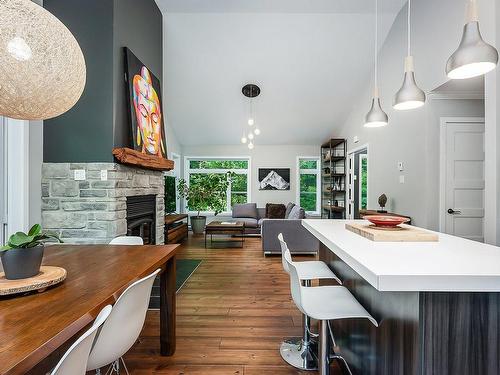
(184,269)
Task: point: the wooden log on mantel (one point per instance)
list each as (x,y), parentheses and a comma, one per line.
(128,156)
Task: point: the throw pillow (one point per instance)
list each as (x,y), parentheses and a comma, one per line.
(275,211)
(297,213)
(245,210)
(289,207)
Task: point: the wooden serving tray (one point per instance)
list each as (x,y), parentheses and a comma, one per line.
(399,234)
(48,276)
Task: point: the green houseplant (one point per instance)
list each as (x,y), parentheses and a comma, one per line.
(22,255)
(205,192)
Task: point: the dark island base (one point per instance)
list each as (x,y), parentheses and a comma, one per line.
(431,333)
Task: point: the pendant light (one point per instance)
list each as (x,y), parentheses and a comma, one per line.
(409,96)
(376,117)
(474,57)
(250,91)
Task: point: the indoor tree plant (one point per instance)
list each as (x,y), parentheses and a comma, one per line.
(22,255)
(208,193)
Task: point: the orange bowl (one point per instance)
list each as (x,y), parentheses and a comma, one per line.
(386,221)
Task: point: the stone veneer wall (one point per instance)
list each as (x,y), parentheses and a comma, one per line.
(95,211)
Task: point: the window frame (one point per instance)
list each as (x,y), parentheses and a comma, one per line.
(316,172)
(248,171)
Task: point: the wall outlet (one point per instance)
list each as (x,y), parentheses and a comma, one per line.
(104,175)
(400,166)
(402,179)
(79,174)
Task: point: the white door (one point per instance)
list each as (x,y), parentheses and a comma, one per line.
(463,180)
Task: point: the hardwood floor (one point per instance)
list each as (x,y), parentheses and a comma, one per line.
(232,314)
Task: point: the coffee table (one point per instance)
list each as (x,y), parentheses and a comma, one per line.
(225,228)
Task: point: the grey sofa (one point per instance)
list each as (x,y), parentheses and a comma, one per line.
(299,240)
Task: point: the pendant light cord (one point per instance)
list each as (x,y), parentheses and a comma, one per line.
(376,48)
(409,27)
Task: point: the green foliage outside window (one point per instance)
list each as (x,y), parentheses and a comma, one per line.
(218,164)
(308,164)
(308,189)
(364,183)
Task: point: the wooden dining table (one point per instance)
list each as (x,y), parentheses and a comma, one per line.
(36,328)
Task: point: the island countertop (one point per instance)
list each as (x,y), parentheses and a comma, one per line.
(452,264)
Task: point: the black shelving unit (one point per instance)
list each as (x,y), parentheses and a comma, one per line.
(333,179)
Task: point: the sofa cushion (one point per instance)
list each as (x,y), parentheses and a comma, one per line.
(297,213)
(249,222)
(289,207)
(245,210)
(275,211)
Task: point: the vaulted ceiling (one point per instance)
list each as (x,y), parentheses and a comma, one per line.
(310,58)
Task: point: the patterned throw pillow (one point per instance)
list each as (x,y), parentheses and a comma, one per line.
(289,207)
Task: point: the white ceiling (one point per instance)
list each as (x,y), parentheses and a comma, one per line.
(310,67)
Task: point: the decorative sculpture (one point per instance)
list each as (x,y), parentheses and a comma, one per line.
(382,200)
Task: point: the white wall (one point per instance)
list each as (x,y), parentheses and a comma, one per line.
(412,136)
(262,156)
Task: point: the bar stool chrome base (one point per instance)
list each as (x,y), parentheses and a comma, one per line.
(300,356)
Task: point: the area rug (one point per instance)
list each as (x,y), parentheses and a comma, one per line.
(184,269)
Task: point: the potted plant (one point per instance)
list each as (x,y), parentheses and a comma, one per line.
(22,255)
(209,192)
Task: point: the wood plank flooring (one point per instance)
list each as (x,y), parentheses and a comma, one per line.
(232,315)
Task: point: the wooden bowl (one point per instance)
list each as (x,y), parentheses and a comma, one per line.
(386,221)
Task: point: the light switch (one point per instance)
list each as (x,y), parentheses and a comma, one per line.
(79,174)
(400,166)
(104,175)
(402,179)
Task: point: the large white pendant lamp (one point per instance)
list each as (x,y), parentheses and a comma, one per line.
(474,57)
(42,68)
(409,96)
(376,117)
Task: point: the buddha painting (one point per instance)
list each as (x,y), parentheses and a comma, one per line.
(146,110)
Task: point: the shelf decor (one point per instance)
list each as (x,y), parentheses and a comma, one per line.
(333,179)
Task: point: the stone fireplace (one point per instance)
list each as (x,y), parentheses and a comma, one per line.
(99,207)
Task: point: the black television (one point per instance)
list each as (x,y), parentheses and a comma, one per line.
(170,195)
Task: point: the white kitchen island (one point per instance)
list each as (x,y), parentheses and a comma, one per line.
(438,303)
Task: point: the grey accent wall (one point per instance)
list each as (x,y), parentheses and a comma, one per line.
(85,132)
(99,121)
(137,25)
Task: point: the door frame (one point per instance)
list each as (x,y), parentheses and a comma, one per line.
(443,121)
(348,172)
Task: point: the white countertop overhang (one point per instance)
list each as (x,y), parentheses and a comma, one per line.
(452,264)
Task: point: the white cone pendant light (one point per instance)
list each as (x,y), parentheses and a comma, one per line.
(376,117)
(474,57)
(409,95)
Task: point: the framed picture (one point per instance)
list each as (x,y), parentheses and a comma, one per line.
(274,178)
(145,104)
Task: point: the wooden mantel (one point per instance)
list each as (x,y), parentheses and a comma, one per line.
(131,157)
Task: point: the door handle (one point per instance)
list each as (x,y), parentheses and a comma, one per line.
(451,211)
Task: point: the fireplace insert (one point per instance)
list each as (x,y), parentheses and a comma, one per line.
(141,218)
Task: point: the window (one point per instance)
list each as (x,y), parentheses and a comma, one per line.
(308,184)
(198,169)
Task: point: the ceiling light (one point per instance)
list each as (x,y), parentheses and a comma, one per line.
(243,139)
(409,95)
(376,117)
(474,57)
(251,121)
(250,136)
(41,64)
(250,146)
(257,131)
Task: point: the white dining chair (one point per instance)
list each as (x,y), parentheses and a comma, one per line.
(127,240)
(122,328)
(74,361)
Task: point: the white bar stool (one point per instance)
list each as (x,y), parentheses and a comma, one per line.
(325,303)
(300,352)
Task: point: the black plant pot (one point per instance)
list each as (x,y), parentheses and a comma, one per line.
(22,263)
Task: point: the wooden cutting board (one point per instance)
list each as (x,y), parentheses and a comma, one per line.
(406,233)
(48,276)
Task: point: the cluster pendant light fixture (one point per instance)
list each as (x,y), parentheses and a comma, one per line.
(409,96)
(376,117)
(251,91)
(474,57)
